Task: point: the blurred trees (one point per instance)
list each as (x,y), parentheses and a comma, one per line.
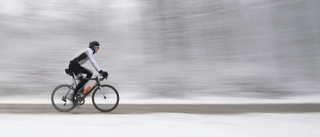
(265,48)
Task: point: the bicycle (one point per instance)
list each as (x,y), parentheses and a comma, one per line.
(105,98)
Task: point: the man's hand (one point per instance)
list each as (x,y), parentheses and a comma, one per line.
(104,73)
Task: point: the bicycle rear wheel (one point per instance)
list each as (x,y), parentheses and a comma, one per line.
(61,98)
(105,100)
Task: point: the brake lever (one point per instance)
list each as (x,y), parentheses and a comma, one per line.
(101,79)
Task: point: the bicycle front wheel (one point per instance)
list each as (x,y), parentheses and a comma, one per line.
(106,98)
(61,98)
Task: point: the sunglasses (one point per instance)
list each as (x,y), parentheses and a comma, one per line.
(97,47)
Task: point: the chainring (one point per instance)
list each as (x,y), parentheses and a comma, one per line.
(80,100)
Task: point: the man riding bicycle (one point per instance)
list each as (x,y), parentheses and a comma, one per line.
(79,59)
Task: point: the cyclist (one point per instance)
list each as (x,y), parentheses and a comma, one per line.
(80,58)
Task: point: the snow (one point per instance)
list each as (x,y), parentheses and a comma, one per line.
(135,99)
(161,125)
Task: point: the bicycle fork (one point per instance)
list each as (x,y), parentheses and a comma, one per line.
(102,92)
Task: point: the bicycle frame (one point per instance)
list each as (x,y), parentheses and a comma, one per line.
(97,84)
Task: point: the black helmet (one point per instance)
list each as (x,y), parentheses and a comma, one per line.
(93,44)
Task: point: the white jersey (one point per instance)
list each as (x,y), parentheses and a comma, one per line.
(83,56)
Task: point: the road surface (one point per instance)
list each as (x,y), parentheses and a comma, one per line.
(170,108)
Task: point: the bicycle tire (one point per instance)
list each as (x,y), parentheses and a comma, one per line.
(57,98)
(107,104)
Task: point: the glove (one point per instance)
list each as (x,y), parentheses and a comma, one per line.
(103,73)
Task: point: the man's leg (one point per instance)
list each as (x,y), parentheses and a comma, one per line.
(82,82)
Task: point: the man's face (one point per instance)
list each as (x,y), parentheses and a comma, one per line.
(96,48)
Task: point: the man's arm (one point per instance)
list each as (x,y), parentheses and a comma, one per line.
(93,61)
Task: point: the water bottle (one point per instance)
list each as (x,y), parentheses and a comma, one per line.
(86,90)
